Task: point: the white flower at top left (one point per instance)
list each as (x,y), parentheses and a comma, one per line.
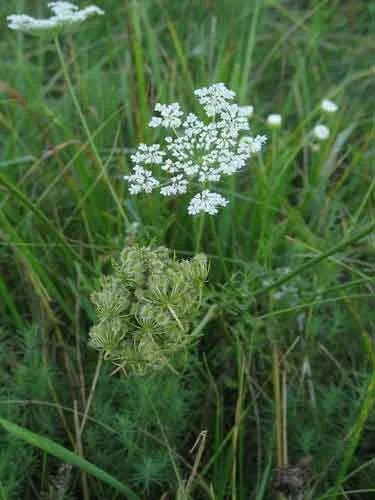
(66,17)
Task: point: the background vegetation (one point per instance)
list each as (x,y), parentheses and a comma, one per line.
(273,379)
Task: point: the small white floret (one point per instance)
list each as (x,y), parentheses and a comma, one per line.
(214,98)
(274,120)
(170,116)
(62,8)
(329,106)
(252,145)
(206,202)
(321,132)
(246,111)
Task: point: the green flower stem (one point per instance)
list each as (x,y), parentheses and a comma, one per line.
(198,241)
(86,128)
(92,392)
(219,248)
(338,248)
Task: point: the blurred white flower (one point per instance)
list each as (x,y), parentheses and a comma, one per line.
(274,120)
(66,16)
(30,24)
(206,202)
(198,153)
(329,106)
(321,132)
(247,111)
(170,116)
(62,8)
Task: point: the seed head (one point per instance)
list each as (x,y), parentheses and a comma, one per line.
(145,308)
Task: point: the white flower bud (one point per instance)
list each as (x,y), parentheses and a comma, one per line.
(274,120)
(321,132)
(329,106)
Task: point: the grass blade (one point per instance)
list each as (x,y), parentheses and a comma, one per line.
(67,456)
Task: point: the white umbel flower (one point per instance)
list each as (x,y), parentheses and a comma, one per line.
(198,152)
(206,202)
(29,24)
(274,120)
(329,106)
(66,16)
(252,145)
(321,132)
(141,180)
(214,98)
(170,116)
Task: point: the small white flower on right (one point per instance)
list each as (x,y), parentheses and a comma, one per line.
(329,106)
(274,120)
(321,132)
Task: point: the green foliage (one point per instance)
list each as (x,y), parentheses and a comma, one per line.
(151,419)
(65,214)
(24,377)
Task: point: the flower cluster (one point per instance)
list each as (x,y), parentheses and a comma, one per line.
(66,16)
(197,153)
(146,307)
(320,131)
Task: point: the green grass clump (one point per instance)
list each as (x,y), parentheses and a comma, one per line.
(284,366)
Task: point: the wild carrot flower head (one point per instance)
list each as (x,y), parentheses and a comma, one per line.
(145,308)
(67,16)
(197,152)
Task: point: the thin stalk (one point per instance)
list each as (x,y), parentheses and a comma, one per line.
(91,395)
(86,127)
(142,112)
(198,240)
(236,430)
(278,405)
(284,391)
(79,448)
(279,414)
(219,248)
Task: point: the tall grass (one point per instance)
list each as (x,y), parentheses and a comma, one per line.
(275,377)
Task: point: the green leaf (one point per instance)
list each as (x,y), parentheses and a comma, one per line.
(65,455)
